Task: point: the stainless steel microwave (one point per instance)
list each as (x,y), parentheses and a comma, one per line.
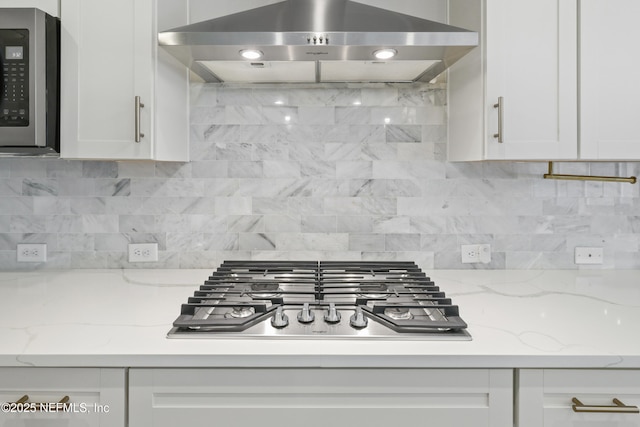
(30,85)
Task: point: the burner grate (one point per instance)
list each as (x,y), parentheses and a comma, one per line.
(329,299)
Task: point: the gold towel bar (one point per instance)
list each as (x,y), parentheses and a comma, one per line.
(551,175)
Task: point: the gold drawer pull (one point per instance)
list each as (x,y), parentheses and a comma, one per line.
(49,407)
(617,407)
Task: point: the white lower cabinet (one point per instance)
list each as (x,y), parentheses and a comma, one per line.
(545,397)
(69,397)
(293,397)
(321,397)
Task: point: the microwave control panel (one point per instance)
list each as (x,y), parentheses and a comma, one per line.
(14,91)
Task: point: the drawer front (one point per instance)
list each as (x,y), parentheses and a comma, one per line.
(70,397)
(578,397)
(320,397)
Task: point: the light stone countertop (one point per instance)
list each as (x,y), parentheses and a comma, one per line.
(517,318)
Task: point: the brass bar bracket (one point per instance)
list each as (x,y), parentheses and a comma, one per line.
(617,406)
(551,175)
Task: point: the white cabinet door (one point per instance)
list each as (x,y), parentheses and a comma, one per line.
(528,60)
(544,397)
(106,62)
(109,58)
(320,397)
(96,397)
(609,90)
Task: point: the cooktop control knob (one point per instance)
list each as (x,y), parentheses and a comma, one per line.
(358,320)
(332,315)
(279,320)
(306,315)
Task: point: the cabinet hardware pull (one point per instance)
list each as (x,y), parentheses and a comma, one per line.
(139,105)
(618,406)
(49,407)
(500,107)
(551,175)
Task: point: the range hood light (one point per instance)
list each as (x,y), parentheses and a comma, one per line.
(385,53)
(251,54)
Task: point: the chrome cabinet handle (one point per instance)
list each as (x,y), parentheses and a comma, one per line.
(500,107)
(618,407)
(139,135)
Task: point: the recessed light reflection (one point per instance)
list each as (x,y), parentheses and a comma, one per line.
(287,118)
(357,103)
(279,102)
(387,120)
(385,53)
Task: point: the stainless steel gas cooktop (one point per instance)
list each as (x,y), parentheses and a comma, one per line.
(310,299)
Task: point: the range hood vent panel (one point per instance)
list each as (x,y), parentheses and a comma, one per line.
(317,30)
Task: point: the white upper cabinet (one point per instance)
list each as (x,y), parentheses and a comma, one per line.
(566,78)
(114,87)
(515,96)
(609,89)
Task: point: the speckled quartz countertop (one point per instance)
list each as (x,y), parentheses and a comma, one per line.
(518,319)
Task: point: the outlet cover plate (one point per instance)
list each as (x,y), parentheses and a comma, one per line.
(143,252)
(32,252)
(472,254)
(589,255)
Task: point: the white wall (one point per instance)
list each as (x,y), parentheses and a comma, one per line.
(52,7)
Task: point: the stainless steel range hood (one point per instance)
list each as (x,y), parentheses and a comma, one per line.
(318,41)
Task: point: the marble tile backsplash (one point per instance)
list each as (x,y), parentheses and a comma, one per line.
(355,172)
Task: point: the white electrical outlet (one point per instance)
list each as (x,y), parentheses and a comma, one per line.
(469,253)
(472,254)
(32,252)
(585,255)
(143,252)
